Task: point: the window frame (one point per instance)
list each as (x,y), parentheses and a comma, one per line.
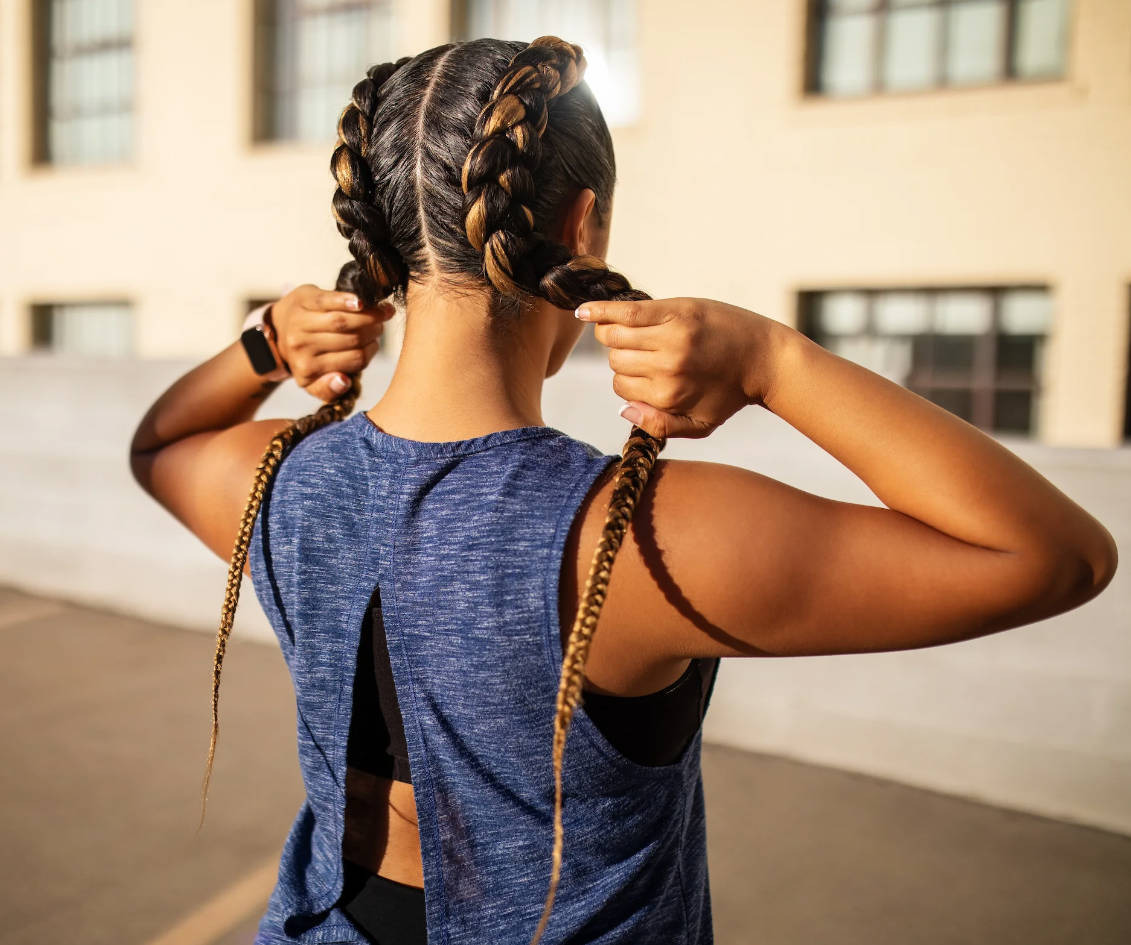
(815,18)
(39,152)
(264,126)
(38,311)
(985,379)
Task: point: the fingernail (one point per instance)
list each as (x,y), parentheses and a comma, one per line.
(353,302)
(631,413)
(581,312)
(339,384)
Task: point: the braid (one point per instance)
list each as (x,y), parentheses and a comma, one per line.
(376,270)
(498,185)
(498,174)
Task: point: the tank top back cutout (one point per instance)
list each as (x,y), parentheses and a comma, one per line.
(651,729)
(448,646)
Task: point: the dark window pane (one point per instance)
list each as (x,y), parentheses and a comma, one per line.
(960,402)
(1016,353)
(921,353)
(1013,411)
(41,323)
(953,352)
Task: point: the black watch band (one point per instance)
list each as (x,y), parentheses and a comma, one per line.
(258,348)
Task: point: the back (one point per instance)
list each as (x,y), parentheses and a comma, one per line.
(465,540)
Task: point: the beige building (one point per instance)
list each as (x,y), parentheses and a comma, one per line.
(939,188)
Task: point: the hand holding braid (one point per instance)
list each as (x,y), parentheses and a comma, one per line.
(376,271)
(378,268)
(498,184)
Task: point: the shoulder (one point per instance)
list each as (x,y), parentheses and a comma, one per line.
(321,459)
(692,534)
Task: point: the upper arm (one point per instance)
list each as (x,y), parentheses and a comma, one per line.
(205,479)
(722,561)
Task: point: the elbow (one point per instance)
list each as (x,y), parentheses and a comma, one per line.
(142,451)
(141,467)
(1104,561)
(1074,577)
(137,469)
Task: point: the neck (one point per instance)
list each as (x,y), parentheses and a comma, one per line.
(458,375)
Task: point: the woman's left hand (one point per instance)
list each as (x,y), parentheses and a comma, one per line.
(324,336)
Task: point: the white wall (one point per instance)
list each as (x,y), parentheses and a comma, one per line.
(1038,718)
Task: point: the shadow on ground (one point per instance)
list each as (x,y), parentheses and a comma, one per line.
(106,722)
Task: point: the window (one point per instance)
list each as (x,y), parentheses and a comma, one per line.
(978,352)
(84,83)
(861,47)
(309,54)
(604,29)
(99,329)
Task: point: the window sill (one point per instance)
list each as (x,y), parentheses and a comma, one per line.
(945,100)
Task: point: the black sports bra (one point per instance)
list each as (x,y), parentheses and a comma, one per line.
(652,729)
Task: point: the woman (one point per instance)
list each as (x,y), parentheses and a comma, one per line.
(428,564)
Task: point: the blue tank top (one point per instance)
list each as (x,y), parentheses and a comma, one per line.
(465,540)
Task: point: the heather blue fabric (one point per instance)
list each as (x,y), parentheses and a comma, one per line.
(465,539)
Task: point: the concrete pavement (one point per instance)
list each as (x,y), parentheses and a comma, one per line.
(106,722)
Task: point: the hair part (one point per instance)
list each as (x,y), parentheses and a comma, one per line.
(455,165)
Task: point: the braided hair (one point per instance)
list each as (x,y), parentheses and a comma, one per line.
(372,275)
(498,184)
(454,165)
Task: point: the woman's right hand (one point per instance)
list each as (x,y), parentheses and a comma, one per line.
(686,365)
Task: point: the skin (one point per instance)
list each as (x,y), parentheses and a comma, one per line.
(719,560)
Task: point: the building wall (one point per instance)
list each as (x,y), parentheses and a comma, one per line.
(733,185)
(747,191)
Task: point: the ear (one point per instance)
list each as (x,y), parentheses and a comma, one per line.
(578,220)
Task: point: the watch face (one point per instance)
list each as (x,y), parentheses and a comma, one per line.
(258,351)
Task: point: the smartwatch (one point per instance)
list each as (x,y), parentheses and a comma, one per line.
(256,337)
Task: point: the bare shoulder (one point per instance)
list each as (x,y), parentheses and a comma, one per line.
(661,587)
(720,560)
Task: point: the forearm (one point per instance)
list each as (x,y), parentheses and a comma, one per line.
(215,395)
(925,462)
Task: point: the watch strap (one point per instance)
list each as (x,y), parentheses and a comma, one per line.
(258,320)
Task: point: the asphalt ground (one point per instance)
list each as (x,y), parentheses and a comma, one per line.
(105,722)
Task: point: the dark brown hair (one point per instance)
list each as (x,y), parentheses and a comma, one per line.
(455,164)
